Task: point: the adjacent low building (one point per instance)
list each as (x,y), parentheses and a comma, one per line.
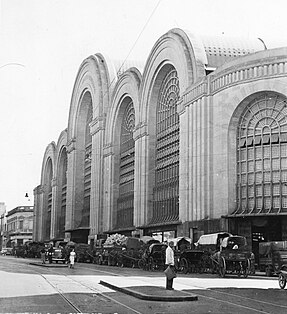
(193,142)
(19,226)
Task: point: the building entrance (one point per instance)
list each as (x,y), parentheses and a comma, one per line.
(265,230)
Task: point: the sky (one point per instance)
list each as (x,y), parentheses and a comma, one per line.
(43,43)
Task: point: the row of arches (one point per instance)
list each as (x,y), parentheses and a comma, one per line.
(88,179)
(130,157)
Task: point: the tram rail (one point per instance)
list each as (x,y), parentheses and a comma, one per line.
(236,300)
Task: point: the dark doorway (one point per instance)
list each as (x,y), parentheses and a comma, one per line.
(265,229)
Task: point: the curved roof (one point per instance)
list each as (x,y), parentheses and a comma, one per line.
(221,49)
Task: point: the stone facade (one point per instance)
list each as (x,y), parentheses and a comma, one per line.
(19,225)
(192,175)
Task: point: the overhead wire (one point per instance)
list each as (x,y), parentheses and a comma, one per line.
(136,41)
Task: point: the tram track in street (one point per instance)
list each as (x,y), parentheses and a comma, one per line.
(239,301)
(217,299)
(93,290)
(214,291)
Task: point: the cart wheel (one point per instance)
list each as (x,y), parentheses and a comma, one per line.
(222,267)
(141,263)
(282,281)
(246,271)
(184,265)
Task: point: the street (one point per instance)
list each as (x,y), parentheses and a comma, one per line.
(27,288)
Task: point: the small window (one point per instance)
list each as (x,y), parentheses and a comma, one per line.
(274,138)
(266,139)
(283,137)
(249,141)
(257,140)
(242,142)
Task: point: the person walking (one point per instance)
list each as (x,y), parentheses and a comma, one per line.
(72,258)
(43,255)
(169,261)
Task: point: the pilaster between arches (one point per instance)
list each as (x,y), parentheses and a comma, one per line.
(96,208)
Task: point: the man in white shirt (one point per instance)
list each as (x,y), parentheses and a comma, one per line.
(169,261)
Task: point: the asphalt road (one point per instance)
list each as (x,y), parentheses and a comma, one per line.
(27,288)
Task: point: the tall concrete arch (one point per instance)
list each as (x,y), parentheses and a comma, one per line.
(61,187)
(173,51)
(91,96)
(46,193)
(126,91)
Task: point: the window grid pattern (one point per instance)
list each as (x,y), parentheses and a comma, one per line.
(85,221)
(166,188)
(63,196)
(125,204)
(262,157)
(48,203)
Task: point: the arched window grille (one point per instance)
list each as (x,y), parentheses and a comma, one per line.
(85,222)
(166,188)
(125,204)
(48,183)
(262,156)
(63,195)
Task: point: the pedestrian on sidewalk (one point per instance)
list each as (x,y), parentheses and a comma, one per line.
(43,256)
(72,258)
(169,261)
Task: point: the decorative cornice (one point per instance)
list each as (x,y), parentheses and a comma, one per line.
(254,70)
(71,145)
(108,150)
(140,131)
(54,182)
(266,69)
(97,125)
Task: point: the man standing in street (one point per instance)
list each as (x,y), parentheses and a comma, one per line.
(50,254)
(169,261)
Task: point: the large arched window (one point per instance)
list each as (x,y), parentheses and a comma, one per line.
(262,156)
(48,202)
(85,222)
(166,192)
(125,203)
(63,193)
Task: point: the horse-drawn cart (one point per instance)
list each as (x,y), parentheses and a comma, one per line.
(234,257)
(272,255)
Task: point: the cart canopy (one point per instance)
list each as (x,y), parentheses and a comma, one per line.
(212,238)
(148,240)
(234,242)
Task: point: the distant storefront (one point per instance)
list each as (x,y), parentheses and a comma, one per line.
(19,228)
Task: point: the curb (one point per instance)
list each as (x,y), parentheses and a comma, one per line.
(172,298)
(49,265)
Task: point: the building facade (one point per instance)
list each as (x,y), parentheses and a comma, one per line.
(2,225)
(193,143)
(19,226)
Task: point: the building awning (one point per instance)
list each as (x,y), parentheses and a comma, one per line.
(160,224)
(246,215)
(118,230)
(77,229)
